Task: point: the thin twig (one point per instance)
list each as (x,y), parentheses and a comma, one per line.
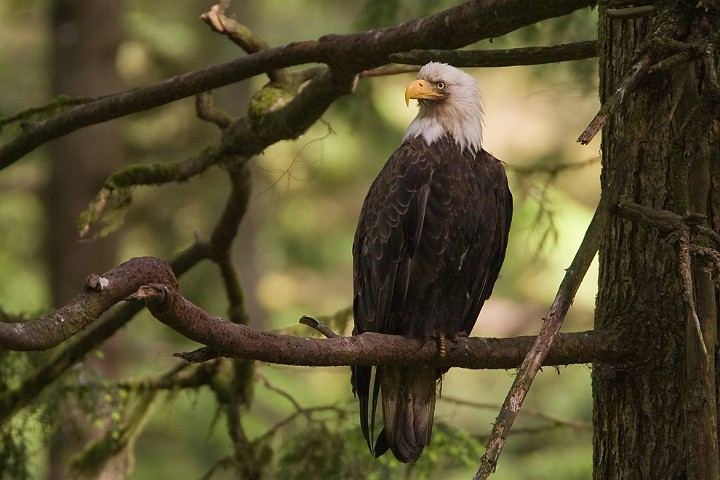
(533,412)
(544,341)
(631,12)
(627,86)
(552,169)
(296,405)
(207,111)
(239,34)
(318,325)
(685,266)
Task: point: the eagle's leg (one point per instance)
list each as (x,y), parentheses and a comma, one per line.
(441,341)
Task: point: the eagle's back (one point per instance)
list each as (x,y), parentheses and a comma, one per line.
(430,240)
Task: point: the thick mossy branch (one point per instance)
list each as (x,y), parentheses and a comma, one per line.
(106,212)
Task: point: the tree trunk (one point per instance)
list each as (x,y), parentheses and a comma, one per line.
(656,419)
(86,35)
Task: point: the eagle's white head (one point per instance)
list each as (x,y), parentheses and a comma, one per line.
(450,104)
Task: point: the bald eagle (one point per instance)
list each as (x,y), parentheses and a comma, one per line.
(428,248)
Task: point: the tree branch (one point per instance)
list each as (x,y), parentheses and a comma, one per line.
(627,86)
(73,352)
(239,341)
(509,57)
(351,54)
(549,333)
(98,294)
(666,221)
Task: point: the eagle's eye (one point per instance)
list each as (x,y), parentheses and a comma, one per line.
(440,85)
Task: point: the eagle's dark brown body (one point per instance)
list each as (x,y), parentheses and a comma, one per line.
(429,245)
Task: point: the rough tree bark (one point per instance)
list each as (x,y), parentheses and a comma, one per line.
(657,418)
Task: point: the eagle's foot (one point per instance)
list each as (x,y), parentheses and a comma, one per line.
(457,336)
(441,341)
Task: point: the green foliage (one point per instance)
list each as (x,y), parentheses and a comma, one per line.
(126,422)
(15,449)
(338,450)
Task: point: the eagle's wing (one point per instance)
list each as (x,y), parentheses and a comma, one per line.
(393,219)
(391,223)
(489,214)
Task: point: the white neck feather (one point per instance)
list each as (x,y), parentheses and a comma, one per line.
(459,116)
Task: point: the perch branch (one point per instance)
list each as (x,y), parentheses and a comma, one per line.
(239,341)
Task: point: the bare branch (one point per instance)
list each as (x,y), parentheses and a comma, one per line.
(390,70)
(631,12)
(318,325)
(627,86)
(98,295)
(550,169)
(544,341)
(239,34)
(552,419)
(207,111)
(452,28)
(509,57)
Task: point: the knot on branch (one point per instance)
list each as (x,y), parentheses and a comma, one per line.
(154,292)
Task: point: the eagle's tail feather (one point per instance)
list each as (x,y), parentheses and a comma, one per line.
(408,397)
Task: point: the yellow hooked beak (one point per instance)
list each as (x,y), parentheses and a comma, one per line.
(420,89)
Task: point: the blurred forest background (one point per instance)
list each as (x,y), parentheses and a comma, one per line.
(294,246)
